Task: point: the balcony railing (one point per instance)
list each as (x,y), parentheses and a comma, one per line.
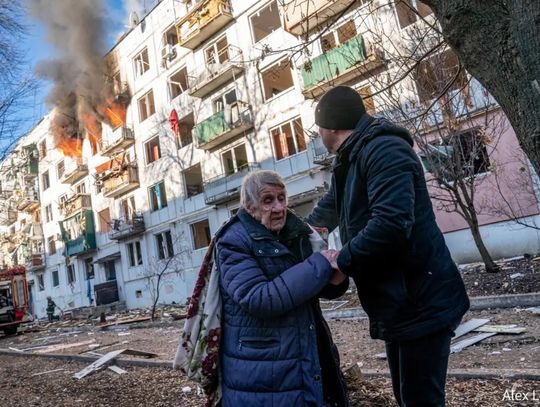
(35,261)
(125,229)
(226,187)
(125,140)
(337,66)
(28,202)
(121,182)
(212,76)
(74,175)
(207,18)
(223,126)
(321,155)
(78,233)
(301,17)
(74,204)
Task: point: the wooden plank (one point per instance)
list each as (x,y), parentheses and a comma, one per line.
(502,329)
(49,371)
(117,369)
(102,347)
(98,364)
(126,321)
(140,353)
(54,348)
(460,345)
(469,326)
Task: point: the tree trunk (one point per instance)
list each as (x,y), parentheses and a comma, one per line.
(491,266)
(498,42)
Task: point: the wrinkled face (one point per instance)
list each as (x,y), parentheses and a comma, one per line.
(328,138)
(272,208)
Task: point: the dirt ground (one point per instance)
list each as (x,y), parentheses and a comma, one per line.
(23,384)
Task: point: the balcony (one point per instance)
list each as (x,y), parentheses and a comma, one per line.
(223,126)
(125,229)
(225,188)
(125,140)
(75,204)
(78,233)
(301,17)
(28,202)
(31,161)
(35,261)
(118,183)
(8,216)
(207,18)
(340,65)
(80,171)
(214,76)
(321,155)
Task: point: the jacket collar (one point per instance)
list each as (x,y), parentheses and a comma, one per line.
(294,226)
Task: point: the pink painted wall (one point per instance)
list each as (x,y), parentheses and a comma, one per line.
(508,187)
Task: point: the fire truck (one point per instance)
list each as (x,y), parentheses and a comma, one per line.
(13,298)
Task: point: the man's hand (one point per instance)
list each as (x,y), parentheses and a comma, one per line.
(331,256)
(338,277)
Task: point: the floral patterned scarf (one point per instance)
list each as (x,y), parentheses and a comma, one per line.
(198,353)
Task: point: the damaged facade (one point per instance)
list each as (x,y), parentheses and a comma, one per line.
(198,97)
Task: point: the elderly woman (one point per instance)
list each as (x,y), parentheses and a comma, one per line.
(276,348)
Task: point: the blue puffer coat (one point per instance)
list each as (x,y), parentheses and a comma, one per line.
(276,348)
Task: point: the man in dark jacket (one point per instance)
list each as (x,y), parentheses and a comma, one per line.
(392,248)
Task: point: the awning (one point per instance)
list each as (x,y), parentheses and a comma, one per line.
(105,259)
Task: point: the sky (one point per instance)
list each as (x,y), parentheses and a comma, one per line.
(36,48)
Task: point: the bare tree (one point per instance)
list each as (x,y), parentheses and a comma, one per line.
(170,262)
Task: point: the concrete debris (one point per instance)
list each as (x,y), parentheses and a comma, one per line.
(117,369)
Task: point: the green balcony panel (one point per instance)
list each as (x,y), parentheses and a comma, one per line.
(86,239)
(333,63)
(212,128)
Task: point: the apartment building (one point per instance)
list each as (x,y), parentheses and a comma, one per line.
(216,88)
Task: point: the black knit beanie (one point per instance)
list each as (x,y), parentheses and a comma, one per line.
(339,109)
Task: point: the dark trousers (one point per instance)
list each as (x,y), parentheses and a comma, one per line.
(418,369)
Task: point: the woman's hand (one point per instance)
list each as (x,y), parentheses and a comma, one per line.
(338,277)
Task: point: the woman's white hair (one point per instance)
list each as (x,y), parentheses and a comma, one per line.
(254,182)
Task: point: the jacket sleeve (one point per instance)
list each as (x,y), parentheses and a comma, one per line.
(390,166)
(324,214)
(244,280)
(331,291)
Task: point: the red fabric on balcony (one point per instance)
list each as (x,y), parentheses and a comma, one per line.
(175,122)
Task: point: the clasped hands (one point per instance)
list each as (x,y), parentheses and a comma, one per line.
(337,277)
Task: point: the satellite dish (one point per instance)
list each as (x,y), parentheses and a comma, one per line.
(134,19)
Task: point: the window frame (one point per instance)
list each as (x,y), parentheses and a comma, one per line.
(150,107)
(194,237)
(267,70)
(45,176)
(165,248)
(146,150)
(294,138)
(55,278)
(160,205)
(135,257)
(140,63)
(250,19)
(186,191)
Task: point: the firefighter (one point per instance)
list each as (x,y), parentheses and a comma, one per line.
(51,305)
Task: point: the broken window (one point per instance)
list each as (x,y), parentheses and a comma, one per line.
(42,147)
(48,213)
(288,139)
(41,282)
(81,188)
(45,181)
(178,83)
(460,156)
(158,196)
(146,106)
(193,180)
(141,63)
(170,37)
(217,53)
(127,208)
(277,79)
(164,245)
(135,254)
(265,21)
(184,136)
(110,270)
(104,220)
(201,234)
(60,169)
(367,96)
(152,150)
(55,278)
(235,159)
(341,35)
(71,278)
(51,245)
(438,75)
(409,11)
(89,268)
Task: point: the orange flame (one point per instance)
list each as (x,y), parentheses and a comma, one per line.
(114,113)
(68,142)
(93,130)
